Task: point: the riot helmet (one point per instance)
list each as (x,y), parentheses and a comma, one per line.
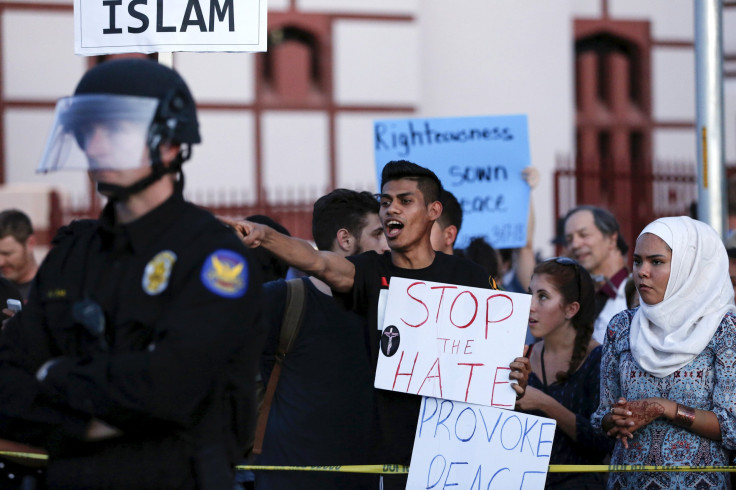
(121,112)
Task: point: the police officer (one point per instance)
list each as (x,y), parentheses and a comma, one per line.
(133,362)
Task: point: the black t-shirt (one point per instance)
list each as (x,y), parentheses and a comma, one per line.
(153,328)
(322,410)
(398,412)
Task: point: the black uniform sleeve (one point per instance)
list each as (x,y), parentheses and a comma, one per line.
(26,414)
(196,336)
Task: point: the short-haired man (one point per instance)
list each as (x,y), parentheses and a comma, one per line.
(325,386)
(447,226)
(410,204)
(593,238)
(17,242)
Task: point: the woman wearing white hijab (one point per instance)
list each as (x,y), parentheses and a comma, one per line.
(668,372)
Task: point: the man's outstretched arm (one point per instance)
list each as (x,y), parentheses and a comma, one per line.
(332,268)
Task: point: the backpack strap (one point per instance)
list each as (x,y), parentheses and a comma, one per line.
(293,316)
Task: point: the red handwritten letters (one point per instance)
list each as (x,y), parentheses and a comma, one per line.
(456,342)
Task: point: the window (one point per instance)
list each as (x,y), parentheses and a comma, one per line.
(613,119)
(292,70)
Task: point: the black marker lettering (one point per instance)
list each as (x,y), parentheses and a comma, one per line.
(112,4)
(138,15)
(415,136)
(379,143)
(216,10)
(160,27)
(199,21)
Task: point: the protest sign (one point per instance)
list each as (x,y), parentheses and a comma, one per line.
(459,445)
(451,342)
(141,26)
(478,159)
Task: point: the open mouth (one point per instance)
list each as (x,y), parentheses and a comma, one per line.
(393,228)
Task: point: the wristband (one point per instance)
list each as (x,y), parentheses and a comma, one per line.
(685,416)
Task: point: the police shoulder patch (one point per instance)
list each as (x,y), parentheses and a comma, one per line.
(225,273)
(157,272)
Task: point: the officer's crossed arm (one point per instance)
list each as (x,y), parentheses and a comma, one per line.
(329,267)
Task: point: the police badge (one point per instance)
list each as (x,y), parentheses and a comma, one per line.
(157,272)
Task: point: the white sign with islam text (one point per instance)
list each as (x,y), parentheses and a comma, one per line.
(150,26)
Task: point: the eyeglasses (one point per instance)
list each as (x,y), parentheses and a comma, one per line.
(569,261)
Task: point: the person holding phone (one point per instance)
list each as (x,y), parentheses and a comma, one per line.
(10,298)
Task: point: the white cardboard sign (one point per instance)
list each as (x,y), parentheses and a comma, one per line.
(148,26)
(451,342)
(458,445)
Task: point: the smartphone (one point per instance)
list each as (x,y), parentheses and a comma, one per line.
(15,305)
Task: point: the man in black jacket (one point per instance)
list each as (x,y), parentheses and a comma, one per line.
(133,362)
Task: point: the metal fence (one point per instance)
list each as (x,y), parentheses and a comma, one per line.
(669,189)
(294,211)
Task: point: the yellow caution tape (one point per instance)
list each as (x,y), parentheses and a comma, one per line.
(398,469)
(553,468)
(383,469)
(618,468)
(15,454)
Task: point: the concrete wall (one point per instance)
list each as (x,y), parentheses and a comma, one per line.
(505,58)
(459,58)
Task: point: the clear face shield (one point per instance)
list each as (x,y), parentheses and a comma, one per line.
(99,132)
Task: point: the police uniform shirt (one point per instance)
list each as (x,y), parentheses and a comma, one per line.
(151,327)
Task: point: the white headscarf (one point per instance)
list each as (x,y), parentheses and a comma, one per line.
(667,336)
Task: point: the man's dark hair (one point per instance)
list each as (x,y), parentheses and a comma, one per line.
(341,208)
(272,267)
(452,213)
(427,182)
(605,221)
(15,223)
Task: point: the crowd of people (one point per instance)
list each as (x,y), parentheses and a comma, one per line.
(148,338)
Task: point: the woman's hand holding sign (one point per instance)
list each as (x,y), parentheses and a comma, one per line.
(520,369)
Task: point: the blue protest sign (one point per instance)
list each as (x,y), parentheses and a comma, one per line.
(478,159)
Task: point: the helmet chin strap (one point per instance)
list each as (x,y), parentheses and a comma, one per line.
(116,192)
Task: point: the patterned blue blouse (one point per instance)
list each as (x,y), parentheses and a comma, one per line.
(708,382)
